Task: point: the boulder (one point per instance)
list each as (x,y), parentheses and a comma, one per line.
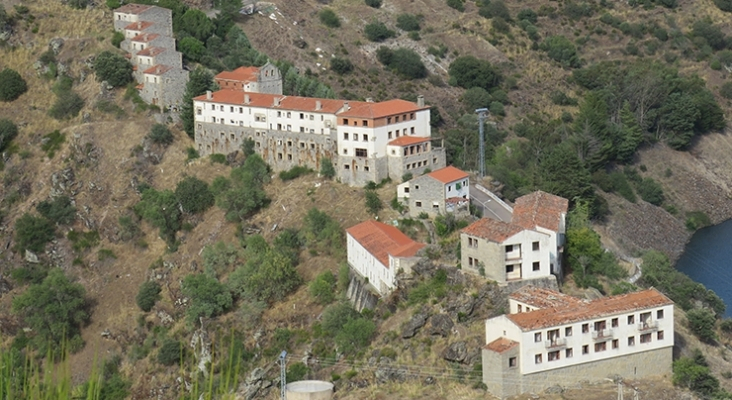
(456,352)
(441,324)
(414,324)
(55,45)
(387,373)
(31,257)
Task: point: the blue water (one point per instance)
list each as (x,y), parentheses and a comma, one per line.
(708,259)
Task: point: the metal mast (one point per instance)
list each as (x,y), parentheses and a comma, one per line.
(482,114)
(283,374)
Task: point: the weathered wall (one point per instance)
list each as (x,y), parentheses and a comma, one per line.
(426,191)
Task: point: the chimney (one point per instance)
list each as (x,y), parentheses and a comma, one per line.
(277,101)
(209,95)
(420,101)
(318,105)
(369,100)
(346,106)
(246,99)
(139,25)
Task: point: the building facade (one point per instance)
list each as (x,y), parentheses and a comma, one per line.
(149,42)
(562,340)
(364,140)
(379,253)
(264,79)
(446,190)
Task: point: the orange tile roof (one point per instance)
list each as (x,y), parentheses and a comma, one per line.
(159,69)
(408,140)
(365,109)
(540,209)
(139,25)
(448,174)
(589,309)
(382,240)
(491,229)
(151,51)
(144,37)
(133,8)
(241,74)
(500,345)
(543,298)
(266,100)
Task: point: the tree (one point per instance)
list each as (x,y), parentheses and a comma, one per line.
(631,135)
(378,32)
(341,66)
(59,210)
(560,49)
(323,288)
(651,191)
(272,279)
(194,195)
(208,297)
(171,352)
(244,194)
(724,5)
(326,168)
(55,309)
(160,134)
(219,257)
(192,48)
(12,85)
(329,18)
(408,22)
(563,174)
(468,72)
(8,132)
(113,68)
(373,3)
(195,23)
(701,323)
(373,202)
(67,105)
(403,61)
(475,98)
(456,4)
(200,80)
(161,209)
(148,295)
(527,14)
(32,233)
(495,9)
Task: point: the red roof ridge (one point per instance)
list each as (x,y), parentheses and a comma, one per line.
(157,69)
(408,140)
(493,230)
(133,8)
(540,209)
(448,174)
(382,240)
(501,345)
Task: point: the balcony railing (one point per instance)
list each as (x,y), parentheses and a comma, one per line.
(602,334)
(648,326)
(555,343)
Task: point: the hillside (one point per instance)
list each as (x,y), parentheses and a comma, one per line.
(104,162)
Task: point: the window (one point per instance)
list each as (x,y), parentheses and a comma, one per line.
(512,362)
(537,359)
(416,187)
(509,269)
(568,353)
(419,204)
(600,326)
(519,308)
(412,131)
(396,119)
(345,151)
(537,337)
(616,343)
(302,129)
(411,116)
(535,266)
(345,135)
(659,314)
(366,168)
(361,153)
(645,338)
(365,137)
(552,335)
(568,331)
(355,137)
(289,157)
(241,110)
(614,322)
(535,246)
(586,349)
(279,113)
(302,116)
(659,335)
(289,114)
(198,111)
(509,248)
(553,355)
(279,156)
(631,319)
(645,317)
(345,121)
(389,134)
(364,123)
(470,262)
(631,340)
(231,108)
(602,346)
(585,328)
(346,166)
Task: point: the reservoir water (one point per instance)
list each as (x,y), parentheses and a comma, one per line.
(707,259)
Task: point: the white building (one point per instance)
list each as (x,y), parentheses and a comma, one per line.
(446,190)
(552,339)
(379,253)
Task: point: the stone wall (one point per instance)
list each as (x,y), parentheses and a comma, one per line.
(360,295)
(430,191)
(360,170)
(398,164)
(270,79)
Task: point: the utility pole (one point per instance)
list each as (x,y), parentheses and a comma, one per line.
(482,115)
(620,390)
(283,374)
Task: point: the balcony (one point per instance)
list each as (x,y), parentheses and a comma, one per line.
(555,343)
(648,326)
(602,334)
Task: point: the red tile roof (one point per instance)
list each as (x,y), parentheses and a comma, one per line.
(265,100)
(589,309)
(139,26)
(365,109)
(540,209)
(133,8)
(448,174)
(500,345)
(543,298)
(151,51)
(491,229)
(159,69)
(408,140)
(241,74)
(382,240)
(144,37)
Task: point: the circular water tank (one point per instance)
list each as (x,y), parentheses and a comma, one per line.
(309,390)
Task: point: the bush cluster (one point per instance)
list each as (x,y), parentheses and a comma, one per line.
(403,61)
(329,18)
(378,32)
(148,295)
(12,85)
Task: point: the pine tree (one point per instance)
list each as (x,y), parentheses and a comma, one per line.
(200,81)
(631,135)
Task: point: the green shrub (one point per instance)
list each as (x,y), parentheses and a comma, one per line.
(217,158)
(500,25)
(160,134)
(32,233)
(219,257)
(162,210)
(496,108)
(694,373)
(701,323)
(194,195)
(403,61)
(117,38)
(408,22)
(329,18)
(58,210)
(373,3)
(295,172)
(110,107)
(726,325)
(560,49)
(724,5)
(323,288)
(148,295)
(297,372)
(8,132)
(456,4)
(326,168)
(81,241)
(67,105)
(113,68)
(171,353)
(378,32)
(527,14)
(208,297)
(373,202)
(494,9)
(726,90)
(651,191)
(52,143)
(697,220)
(191,153)
(468,72)
(12,85)
(78,4)
(341,66)
(561,99)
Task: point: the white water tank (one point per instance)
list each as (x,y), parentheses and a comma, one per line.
(309,390)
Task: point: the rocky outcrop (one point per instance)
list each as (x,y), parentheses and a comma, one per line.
(441,324)
(414,325)
(456,352)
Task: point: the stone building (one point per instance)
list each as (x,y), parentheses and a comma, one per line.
(551,339)
(149,42)
(366,141)
(264,79)
(446,190)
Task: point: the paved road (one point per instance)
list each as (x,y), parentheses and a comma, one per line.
(491,208)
